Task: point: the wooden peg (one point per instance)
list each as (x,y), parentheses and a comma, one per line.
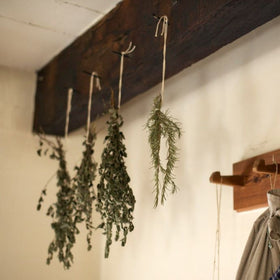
(260,167)
(234,180)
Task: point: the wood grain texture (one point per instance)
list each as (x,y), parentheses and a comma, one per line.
(197,29)
(254,193)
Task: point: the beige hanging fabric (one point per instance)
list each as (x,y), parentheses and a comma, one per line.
(129,50)
(164,21)
(68,111)
(93,78)
(272,186)
(261,257)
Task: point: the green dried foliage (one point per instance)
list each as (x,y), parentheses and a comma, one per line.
(62,210)
(161,126)
(115,199)
(83,187)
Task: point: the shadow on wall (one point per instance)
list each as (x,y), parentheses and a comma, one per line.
(233,56)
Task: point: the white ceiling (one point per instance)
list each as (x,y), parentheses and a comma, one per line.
(32,32)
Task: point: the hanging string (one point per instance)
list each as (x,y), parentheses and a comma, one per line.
(68,110)
(216,264)
(164,21)
(272,186)
(129,50)
(93,78)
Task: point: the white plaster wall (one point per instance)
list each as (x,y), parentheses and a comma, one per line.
(228,105)
(229,108)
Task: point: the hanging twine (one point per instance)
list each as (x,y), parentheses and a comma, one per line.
(216,264)
(93,78)
(272,186)
(68,110)
(129,50)
(164,21)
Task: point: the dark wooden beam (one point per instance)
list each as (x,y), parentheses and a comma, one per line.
(197,29)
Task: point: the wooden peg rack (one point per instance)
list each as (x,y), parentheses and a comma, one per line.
(250,180)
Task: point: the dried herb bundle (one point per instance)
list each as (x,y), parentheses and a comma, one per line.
(115,199)
(83,186)
(161,126)
(63,210)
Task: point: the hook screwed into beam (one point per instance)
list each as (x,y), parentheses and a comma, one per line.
(158,18)
(74,90)
(233,180)
(120,54)
(90,74)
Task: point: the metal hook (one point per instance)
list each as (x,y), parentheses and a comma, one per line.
(158,18)
(90,74)
(74,90)
(120,54)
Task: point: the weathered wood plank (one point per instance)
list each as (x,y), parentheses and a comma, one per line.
(197,29)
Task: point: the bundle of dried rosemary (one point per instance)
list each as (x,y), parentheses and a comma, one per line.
(160,127)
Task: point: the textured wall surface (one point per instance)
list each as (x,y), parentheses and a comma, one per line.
(228,106)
